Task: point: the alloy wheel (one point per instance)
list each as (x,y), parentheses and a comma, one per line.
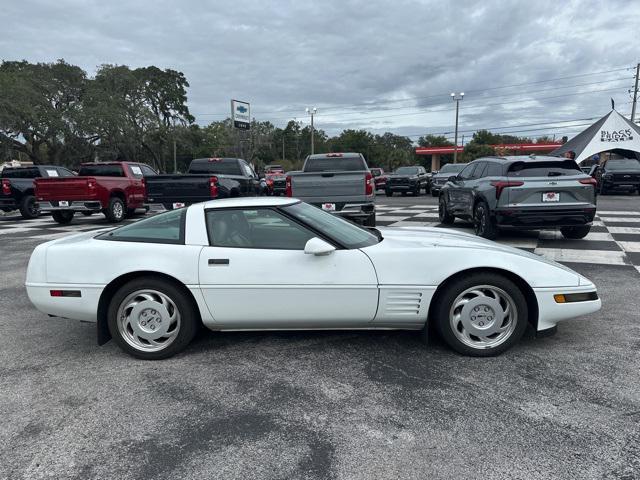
(148,320)
(483,317)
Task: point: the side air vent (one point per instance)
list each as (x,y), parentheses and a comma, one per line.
(399,303)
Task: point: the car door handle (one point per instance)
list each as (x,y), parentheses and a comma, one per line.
(218,261)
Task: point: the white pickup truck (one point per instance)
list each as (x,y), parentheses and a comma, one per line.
(340,183)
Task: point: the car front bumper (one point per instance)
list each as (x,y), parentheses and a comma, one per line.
(75,205)
(547,217)
(550,312)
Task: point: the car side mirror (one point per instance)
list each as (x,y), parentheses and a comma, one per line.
(453,178)
(317,246)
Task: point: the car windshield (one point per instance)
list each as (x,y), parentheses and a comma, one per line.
(544,169)
(334,164)
(623,164)
(114,170)
(452,168)
(346,233)
(222,166)
(407,171)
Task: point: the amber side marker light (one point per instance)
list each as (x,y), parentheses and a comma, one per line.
(575,297)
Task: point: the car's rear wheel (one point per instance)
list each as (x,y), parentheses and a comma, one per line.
(483,225)
(481,314)
(443,212)
(63,216)
(115,212)
(151,318)
(28,207)
(87,213)
(575,233)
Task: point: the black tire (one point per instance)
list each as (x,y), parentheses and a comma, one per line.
(63,216)
(575,233)
(87,213)
(189,318)
(446,299)
(29,207)
(370,221)
(427,189)
(603,191)
(434,193)
(404,194)
(483,225)
(443,212)
(116,210)
(389,193)
(416,191)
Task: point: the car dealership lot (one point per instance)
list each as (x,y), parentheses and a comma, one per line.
(327,404)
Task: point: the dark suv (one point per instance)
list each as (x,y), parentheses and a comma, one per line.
(521,192)
(407,179)
(617,174)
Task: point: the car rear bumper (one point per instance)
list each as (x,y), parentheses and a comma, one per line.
(75,205)
(550,312)
(353,211)
(547,217)
(8,203)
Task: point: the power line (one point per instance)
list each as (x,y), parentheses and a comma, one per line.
(440,95)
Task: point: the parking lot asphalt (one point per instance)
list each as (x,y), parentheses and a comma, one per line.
(354,405)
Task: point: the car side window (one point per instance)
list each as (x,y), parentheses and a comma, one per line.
(162,228)
(136,171)
(261,228)
(65,172)
(493,170)
(147,171)
(467,172)
(480,170)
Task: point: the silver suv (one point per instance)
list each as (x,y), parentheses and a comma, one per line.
(523,192)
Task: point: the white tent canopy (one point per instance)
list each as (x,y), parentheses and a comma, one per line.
(611,132)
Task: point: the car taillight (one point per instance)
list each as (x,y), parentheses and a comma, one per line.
(6,186)
(369,184)
(588,181)
(213,187)
(287,186)
(500,185)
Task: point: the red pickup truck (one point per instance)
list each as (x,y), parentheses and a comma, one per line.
(113,188)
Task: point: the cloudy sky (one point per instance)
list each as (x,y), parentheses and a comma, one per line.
(383,66)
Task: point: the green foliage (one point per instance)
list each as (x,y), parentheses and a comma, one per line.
(434,141)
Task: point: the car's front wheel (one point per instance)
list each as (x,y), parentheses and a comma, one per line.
(152,319)
(481,314)
(388,193)
(443,212)
(575,233)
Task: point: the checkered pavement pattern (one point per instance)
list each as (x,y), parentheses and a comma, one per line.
(614,238)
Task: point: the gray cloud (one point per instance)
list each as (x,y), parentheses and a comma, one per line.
(285,55)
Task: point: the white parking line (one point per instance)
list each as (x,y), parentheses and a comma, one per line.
(630,246)
(414,224)
(603,257)
(634,230)
(617,212)
(621,219)
(557,235)
(390,218)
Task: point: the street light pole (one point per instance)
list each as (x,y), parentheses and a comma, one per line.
(635,95)
(456,97)
(311,111)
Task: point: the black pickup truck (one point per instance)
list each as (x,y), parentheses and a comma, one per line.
(206,179)
(617,174)
(18,187)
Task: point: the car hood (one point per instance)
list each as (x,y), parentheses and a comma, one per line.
(429,249)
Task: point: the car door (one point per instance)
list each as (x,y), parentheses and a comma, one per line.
(255,274)
(471,188)
(422,177)
(458,188)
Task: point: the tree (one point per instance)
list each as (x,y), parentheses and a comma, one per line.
(39,111)
(434,141)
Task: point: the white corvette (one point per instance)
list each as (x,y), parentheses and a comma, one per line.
(271,263)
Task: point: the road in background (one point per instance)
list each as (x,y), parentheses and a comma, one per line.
(355,405)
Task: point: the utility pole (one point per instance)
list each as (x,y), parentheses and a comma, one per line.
(635,95)
(175,160)
(312,112)
(456,97)
(283,146)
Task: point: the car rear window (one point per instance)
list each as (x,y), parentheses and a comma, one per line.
(222,166)
(165,227)
(101,171)
(335,164)
(20,173)
(543,169)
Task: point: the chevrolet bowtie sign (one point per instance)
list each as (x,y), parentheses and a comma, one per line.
(241,114)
